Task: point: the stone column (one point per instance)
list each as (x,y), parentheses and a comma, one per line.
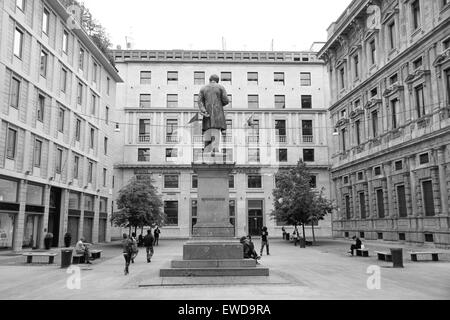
(443,181)
(370,213)
(96,223)
(390,190)
(45,216)
(108,220)
(81,221)
(64,216)
(337,184)
(19,223)
(413,184)
(354,197)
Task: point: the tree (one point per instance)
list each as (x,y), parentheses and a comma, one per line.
(93,28)
(140,205)
(295,201)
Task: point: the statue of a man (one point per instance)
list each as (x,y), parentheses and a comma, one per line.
(211,101)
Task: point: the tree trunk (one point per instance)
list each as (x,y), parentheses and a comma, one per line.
(313,234)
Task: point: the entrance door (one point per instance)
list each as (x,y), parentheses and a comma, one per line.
(102,230)
(87,229)
(72,228)
(255,217)
(55,214)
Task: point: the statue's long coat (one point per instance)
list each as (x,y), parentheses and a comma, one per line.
(212,99)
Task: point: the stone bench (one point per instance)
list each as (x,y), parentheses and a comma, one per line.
(384,256)
(50,255)
(362,253)
(78,258)
(96,254)
(434,255)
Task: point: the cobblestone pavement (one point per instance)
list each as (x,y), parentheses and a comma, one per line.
(324,271)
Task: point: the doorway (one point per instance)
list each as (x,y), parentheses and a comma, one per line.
(255,217)
(54,214)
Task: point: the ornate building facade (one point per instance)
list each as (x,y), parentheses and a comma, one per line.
(56,103)
(389,73)
(277,116)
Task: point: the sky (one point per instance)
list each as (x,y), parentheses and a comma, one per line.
(201,25)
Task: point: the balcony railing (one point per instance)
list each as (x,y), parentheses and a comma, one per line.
(197,139)
(172,139)
(308,139)
(227,139)
(281,139)
(253,139)
(144,138)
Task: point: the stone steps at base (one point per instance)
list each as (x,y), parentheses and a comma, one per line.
(215,272)
(184,264)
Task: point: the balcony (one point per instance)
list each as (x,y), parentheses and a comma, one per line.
(281,139)
(144,138)
(253,139)
(197,139)
(227,139)
(308,139)
(172,139)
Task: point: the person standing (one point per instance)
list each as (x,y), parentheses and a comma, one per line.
(127,245)
(156,233)
(265,241)
(148,243)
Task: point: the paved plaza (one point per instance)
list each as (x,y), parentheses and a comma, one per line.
(321,272)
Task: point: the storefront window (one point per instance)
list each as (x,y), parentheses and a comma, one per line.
(103,202)
(74,201)
(8,190)
(89,203)
(35,195)
(31,231)
(6,230)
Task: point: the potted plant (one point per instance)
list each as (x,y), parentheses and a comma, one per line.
(48,240)
(67,239)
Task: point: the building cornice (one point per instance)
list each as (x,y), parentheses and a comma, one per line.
(234,110)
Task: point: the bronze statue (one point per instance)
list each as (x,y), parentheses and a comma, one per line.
(211,102)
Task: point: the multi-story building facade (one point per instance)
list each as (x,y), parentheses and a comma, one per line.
(277,116)
(57,97)
(389,72)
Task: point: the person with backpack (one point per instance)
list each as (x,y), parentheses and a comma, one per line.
(135,249)
(156,233)
(148,243)
(127,245)
(265,241)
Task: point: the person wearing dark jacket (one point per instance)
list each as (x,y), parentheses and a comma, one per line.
(148,243)
(264,241)
(156,233)
(249,249)
(127,246)
(357,245)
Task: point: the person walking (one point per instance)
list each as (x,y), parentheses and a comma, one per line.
(127,246)
(135,249)
(156,234)
(265,241)
(148,243)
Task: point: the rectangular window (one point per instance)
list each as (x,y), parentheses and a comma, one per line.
(282,155)
(342,78)
(420,101)
(81,59)
(415,7)
(225,78)
(144,155)
(306,102)
(254,182)
(194,182)
(145,101)
(171,154)
(348,212)
(392,36)
(393,79)
(18,43)
(380,203)
(172,77)
(172,101)
(45,21)
(362,205)
(254,155)
(394,113)
(252,78)
(59,158)
(424,158)
(63,80)
(401,200)
(90,171)
(171,181)
(76,166)
(227,155)
(305,79)
(358,132)
(94,73)
(308,155)
(428,198)
(12,144)
(108,86)
(61,118)
(107,115)
(92,138)
(80,93)
(344,139)
(199,78)
(279,78)
(94,104)
(105,174)
(280,102)
(37,153)
(377,171)
(105,146)
(146,77)
(253,101)
(15,93)
(356,66)
(418,63)
(196,100)
(372,52)
(65,43)
(447,77)
(307,130)
(280,130)
(360,176)
(78,130)
(144,130)
(375,124)
(171,130)
(171,212)
(44,63)
(398,165)
(231,182)
(40,108)
(313,182)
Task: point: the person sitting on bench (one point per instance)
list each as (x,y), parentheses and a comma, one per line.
(83,248)
(249,249)
(357,245)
